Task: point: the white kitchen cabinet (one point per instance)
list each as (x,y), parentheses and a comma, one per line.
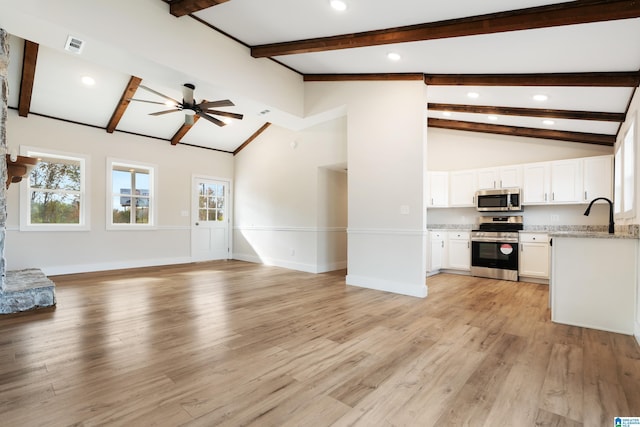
(566,181)
(438,186)
(459,250)
(534,256)
(597,177)
(437,250)
(500,177)
(536,178)
(462,188)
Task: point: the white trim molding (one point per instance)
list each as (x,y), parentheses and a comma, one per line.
(387,286)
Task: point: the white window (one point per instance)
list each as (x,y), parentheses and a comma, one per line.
(130,187)
(625,176)
(56,196)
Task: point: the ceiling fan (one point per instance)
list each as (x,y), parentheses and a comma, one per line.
(190,107)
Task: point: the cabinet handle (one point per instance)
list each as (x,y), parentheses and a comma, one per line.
(545,197)
(500,183)
(553,195)
(585,196)
(467,245)
(494,184)
(442,244)
(432,200)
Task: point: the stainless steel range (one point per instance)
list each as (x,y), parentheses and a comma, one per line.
(494,247)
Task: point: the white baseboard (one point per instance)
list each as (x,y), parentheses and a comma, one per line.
(308,268)
(637,334)
(114,265)
(419,291)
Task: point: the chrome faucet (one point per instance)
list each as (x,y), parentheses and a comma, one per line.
(586,213)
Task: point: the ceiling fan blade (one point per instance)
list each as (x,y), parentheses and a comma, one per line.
(187,93)
(225,114)
(159,94)
(213,104)
(211,119)
(149,102)
(159,113)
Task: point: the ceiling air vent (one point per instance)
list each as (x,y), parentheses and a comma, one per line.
(74,45)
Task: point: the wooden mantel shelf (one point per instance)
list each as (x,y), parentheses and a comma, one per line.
(19,169)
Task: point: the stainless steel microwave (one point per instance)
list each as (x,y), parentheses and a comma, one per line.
(498,200)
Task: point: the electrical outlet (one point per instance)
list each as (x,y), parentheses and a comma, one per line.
(292,252)
(555,218)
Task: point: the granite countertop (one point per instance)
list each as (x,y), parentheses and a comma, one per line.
(631,231)
(594,235)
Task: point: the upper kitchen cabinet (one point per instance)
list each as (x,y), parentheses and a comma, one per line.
(501,177)
(566,181)
(462,186)
(536,183)
(597,177)
(438,189)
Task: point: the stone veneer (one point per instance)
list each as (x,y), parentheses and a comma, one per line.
(25,289)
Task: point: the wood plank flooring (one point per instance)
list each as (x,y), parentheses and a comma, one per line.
(232,343)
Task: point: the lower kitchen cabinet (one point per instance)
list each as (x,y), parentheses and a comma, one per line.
(436,251)
(534,256)
(449,250)
(459,250)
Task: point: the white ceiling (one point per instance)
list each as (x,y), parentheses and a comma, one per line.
(595,47)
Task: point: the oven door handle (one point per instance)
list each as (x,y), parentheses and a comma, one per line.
(493,240)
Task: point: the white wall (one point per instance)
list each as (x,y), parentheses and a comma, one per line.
(386,129)
(98,249)
(281,193)
(459,150)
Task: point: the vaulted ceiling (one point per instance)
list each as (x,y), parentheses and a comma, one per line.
(582,56)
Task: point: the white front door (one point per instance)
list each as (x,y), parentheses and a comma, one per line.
(210,220)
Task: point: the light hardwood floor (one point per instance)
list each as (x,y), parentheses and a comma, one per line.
(233,343)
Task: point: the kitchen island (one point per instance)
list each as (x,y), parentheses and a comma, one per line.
(594,280)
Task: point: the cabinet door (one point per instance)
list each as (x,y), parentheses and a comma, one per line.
(459,253)
(535,183)
(534,255)
(566,181)
(488,179)
(598,177)
(437,249)
(438,189)
(511,176)
(462,186)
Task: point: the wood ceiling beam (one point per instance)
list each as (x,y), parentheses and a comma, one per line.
(29,61)
(529,112)
(185,7)
(586,138)
(568,13)
(362,77)
(252,137)
(604,79)
(125,99)
(175,139)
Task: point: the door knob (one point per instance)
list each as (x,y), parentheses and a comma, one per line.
(197,223)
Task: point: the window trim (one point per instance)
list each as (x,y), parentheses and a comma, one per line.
(631,132)
(153,197)
(85,198)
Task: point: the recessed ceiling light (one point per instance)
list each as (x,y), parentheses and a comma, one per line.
(89,81)
(473,95)
(393,56)
(548,122)
(492,118)
(540,97)
(339,5)
(446,113)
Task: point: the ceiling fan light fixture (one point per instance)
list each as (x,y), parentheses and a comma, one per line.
(338,5)
(189,112)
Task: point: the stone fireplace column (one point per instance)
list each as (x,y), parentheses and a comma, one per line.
(20,290)
(4,96)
